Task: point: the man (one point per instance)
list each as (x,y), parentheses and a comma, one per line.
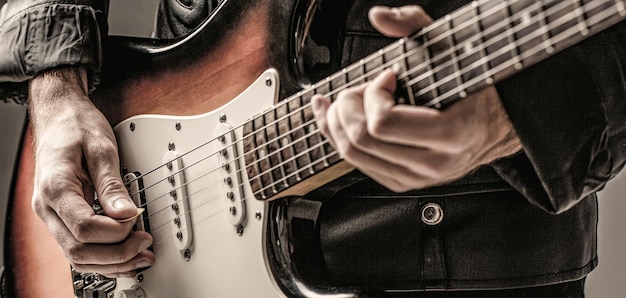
(492,228)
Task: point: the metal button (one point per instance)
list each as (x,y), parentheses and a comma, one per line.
(432,214)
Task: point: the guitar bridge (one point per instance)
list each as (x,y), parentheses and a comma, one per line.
(88,285)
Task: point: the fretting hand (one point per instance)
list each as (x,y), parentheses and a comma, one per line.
(409,147)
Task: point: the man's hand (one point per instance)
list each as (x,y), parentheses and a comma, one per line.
(408,147)
(75,156)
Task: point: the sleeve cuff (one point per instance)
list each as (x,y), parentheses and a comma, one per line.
(47,36)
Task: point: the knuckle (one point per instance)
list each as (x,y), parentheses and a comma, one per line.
(78,267)
(38,205)
(110,185)
(75,253)
(126,252)
(83,231)
(360,137)
(346,150)
(380,125)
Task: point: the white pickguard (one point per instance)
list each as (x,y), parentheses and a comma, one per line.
(222,262)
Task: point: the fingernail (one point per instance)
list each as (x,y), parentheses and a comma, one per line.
(144,244)
(143,264)
(397,13)
(123,204)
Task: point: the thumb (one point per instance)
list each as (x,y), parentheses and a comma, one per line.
(114,198)
(103,168)
(398,21)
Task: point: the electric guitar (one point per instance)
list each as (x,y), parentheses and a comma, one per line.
(209,147)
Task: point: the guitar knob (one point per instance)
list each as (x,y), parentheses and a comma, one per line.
(134,292)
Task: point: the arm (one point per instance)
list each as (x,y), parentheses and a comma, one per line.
(57,46)
(569,114)
(75,156)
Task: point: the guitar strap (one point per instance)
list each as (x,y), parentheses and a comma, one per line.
(13,115)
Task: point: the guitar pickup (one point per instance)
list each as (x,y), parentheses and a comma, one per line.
(230,172)
(180,220)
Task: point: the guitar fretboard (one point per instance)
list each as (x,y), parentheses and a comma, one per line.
(473,47)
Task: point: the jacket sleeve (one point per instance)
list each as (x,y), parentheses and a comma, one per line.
(570,114)
(44,34)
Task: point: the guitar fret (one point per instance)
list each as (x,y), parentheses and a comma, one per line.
(498,49)
(340,79)
(262,151)
(474,62)
(422,74)
(517,63)
(544,30)
(287,153)
(323,88)
(372,65)
(458,78)
(313,139)
(559,11)
(251,156)
(273,148)
(356,75)
(477,45)
(405,61)
(441,52)
(296,120)
(526,24)
(580,17)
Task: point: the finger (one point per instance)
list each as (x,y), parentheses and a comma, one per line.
(129,268)
(378,102)
(102,161)
(399,124)
(59,196)
(398,21)
(91,253)
(396,177)
(320,106)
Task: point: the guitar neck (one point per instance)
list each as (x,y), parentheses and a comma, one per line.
(475,46)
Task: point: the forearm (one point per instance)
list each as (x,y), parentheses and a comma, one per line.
(54,91)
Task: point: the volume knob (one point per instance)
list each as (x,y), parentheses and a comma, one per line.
(134,292)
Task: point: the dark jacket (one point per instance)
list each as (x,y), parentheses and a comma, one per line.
(522,221)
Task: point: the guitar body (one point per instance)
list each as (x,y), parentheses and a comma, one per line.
(213,73)
(222,236)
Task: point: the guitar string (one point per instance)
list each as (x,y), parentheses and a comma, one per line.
(456,90)
(186,183)
(381,67)
(284,102)
(214,213)
(206,218)
(509,48)
(325,142)
(268,172)
(389,48)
